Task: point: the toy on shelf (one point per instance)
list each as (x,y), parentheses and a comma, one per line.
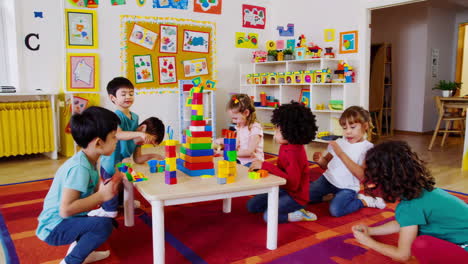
(301,41)
(313,51)
(323,76)
(320,107)
(227,168)
(345,73)
(336,105)
(272,78)
(267,101)
(264,78)
(130,173)
(196,158)
(170,174)
(329,53)
(259,56)
(258,174)
(323,134)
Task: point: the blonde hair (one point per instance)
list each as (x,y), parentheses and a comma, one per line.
(357,114)
(242,102)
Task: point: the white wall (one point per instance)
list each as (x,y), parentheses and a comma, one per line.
(405,27)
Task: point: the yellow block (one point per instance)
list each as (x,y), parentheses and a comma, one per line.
(192,140)
(170,142)
(171,163)
(231,179)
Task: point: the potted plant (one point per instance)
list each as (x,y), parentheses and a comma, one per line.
(448,88)
(288,54)
(272,55)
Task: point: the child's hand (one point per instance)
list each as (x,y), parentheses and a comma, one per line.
(361,233)
(336,148)
(256,165)
(361,228)
(156,156)
(108,189)
(317,156)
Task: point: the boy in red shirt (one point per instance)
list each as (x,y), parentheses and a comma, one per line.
(295,127)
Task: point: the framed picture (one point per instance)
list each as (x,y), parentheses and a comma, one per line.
(81,29)
(329,34)
(211,7)
(82,72)
(253,16)
(143,37)
(167,70)
(349,42)
(196,41)
(304,98)
(168,43)
(143,69)
(195,67)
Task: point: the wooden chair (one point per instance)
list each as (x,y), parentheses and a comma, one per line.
(449,117)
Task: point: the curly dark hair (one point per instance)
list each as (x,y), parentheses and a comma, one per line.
(296,122)
(396,171)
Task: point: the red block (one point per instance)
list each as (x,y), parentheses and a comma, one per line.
(202,133)
(171,181)
(170,151)
(198,123)
(199,166)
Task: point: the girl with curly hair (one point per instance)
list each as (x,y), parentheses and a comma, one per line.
(344,169)
(249,131)
(432,224)
(295,127)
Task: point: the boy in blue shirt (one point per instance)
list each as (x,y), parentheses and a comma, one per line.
(130,135)
(74,190)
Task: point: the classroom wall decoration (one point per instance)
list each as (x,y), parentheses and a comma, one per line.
(329,35)
(196,41)
(168,42)
(140,2)
(143,37)
(195,67)
(81,29)
(349,42)
(288,32)
(82,72)
(118,2)
(246,40)
(177,4)
(253,16)
(173,59)
(85,3)
(143,69)
(208,6)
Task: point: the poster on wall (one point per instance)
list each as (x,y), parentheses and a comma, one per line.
(246,40)
(435,63)
(208,6)
(85,3)
(349,42)
(167,70)
(196,41)
(81,29)
(329,35)
(195,67)
(143,37)
(143,69)
(140,2)
(168,42)
(82,72)
(118,2)
(253,16)
(177,4)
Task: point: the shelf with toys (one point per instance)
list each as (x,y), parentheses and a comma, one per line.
(326,85)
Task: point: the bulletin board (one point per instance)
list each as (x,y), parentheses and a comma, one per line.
(153,57)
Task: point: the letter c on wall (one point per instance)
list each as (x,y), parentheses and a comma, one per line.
(26,41)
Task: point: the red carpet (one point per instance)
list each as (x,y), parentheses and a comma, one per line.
(196,233)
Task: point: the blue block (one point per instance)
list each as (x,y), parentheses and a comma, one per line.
(230,141)
(229,147)
(198,152)
(171,174)
(193,173)
(162,162)
(208,128)
(221,180)
(184,139)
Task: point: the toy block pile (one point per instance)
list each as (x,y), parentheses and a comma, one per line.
(157,165)
(132,175)
(170,174)
(196,153)
(255,175)
(227,168)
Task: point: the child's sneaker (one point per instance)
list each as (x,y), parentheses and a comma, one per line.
(372,202)
(102,213)
(301,215)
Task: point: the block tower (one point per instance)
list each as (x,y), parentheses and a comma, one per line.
(196,153)
(227,168)
(171,158)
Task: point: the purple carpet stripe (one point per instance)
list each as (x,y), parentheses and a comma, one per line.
(25,182)
(455,192)
(7,243)
(174,242)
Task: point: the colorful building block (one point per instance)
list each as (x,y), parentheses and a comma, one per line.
(199,140)
(198,166)
(202,159)
(230,155)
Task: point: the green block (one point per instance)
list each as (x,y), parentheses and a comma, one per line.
(231,155)
(188,132)
(129,177)
(183,150)
(196,118)
(161,169)
(199,146)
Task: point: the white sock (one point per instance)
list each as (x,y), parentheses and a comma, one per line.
(102,213)
(96,256)
(373,202)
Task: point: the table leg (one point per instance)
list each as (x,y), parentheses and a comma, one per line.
(272,224)
(157,209)
(227,205)
(128,203)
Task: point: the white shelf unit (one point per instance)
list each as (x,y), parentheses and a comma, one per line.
(320,93)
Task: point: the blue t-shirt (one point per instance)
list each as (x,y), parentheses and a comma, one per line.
(77,173)
(124,148)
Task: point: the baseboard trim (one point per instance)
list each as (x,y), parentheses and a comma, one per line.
(403,132)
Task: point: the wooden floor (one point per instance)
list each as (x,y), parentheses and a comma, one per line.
(444,163)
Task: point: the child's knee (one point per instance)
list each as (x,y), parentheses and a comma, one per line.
(336,211)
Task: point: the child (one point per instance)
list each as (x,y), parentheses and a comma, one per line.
(130,136)
(73,192)
(295,127)
(431,223)
(249,131)
(343,164)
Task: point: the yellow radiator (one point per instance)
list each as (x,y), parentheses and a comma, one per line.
(25,128)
